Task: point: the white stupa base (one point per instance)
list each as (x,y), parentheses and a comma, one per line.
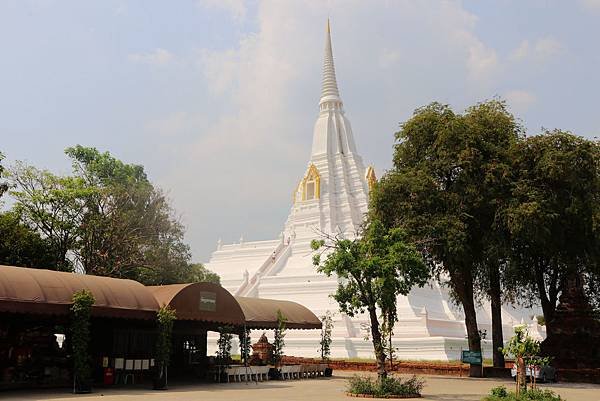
(303,344)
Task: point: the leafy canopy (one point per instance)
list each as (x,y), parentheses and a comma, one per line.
(553,216)
(374,269)
(22,246)
(106,219)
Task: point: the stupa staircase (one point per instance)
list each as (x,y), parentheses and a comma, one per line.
(269,266)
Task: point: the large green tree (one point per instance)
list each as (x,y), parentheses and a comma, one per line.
(553,215)
(22,246)
(107,219)
(53,206)
(450,177)
(373,270)
(128,225)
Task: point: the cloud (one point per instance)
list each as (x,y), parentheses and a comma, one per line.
(157,56)
(389,57)
(482,61)
(176,125)
(541,50)
(520,100)
(547,47)
(220,68)
(459,25)
(521,52)
(236,8)
(593,5)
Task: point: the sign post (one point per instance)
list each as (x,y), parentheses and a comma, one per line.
(472,358)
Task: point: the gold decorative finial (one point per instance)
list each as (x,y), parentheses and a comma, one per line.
(371,178)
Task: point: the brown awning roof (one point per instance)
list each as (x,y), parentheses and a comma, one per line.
(261,313)
(24,290)
(200,301)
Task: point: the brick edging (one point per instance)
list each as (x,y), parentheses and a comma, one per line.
(385,396)
(424,368)
(442,369)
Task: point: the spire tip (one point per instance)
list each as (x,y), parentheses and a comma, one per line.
(329,84)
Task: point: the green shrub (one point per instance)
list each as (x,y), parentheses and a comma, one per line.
(499,392)
(385,387)
(361,385)
(536,394)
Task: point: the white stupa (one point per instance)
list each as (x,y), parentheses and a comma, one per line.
(332,197)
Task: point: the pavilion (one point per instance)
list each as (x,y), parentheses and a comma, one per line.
(35,311)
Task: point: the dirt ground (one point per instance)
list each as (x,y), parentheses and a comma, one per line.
(437,388)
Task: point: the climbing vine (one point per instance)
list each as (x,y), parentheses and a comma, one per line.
(165,316)
(81,312)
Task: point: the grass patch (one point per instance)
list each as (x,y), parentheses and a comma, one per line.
(390,386)
(536,394)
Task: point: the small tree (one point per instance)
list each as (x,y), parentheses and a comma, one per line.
(373,270)
(278,338)
(165,318)
(81,312)
(327,321)
(245,345)
(224,345)
(524,349)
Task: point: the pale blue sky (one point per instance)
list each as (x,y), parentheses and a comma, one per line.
(217,98)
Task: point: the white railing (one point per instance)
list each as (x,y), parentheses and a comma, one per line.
(267,267)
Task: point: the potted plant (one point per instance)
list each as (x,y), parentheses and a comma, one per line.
(245,346)
(165,317)
(327,321)
(279,343)
(81,311)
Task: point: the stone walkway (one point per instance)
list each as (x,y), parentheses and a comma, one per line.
(437,388)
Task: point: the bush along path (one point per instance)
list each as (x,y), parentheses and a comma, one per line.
(532,394)
(388,387)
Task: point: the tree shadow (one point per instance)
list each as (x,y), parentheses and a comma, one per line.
(453,397)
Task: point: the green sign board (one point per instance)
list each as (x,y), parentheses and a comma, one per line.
(208,301)
(472,357)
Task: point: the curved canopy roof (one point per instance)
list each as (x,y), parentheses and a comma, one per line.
(27,290)
(261,313)
(200,301)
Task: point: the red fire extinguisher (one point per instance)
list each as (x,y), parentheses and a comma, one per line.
(108,376)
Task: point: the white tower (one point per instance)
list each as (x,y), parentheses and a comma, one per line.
(332,197)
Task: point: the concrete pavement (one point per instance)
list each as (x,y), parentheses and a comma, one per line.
(437,388)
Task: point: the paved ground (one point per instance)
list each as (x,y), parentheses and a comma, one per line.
(437,388)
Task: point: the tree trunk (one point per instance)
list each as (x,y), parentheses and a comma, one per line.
(548,307)
(377,344)
(521,375)
(465,294)
(496,305)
